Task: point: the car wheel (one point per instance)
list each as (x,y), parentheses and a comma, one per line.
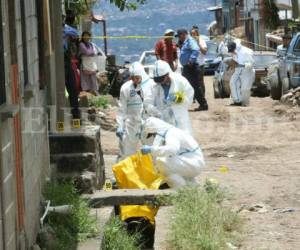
(276,88)
(285,86)
(216,89)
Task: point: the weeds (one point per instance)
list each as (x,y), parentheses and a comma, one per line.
(74,227)
(200,222)
(116,236)
(99,102)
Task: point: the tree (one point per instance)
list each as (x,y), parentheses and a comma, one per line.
(82,7)
(271,17)
(127,4)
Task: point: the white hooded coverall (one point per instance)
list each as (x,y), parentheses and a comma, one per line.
(132,109)
(243,77)
(173,113)
(178,156)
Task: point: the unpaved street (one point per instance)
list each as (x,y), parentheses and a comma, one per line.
(260,147)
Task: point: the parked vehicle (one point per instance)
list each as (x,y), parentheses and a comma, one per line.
(221,83)
(262,62)
(148,59)
(288,72)
(263,59)
(212,58)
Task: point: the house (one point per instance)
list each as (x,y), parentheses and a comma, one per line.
(31,78)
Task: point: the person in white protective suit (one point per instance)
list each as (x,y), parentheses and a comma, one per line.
(171,96)
(177,155)
(244,75)
(132,109)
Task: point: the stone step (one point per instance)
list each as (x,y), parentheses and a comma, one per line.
(86,140)
(75,162)
(126,197)
(85,182)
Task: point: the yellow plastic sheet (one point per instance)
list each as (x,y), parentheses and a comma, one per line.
(148,212)
(137,172)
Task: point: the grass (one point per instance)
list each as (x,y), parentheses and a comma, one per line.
(116,236)
(98,102)
(74,227)
(200,222)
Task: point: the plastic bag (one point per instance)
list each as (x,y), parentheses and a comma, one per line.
(137,172)
(134,211)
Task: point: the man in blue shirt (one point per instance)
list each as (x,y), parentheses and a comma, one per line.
(189,59)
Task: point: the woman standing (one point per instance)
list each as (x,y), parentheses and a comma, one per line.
(88,69)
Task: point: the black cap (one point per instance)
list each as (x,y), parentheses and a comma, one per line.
(181,32)
(231,47)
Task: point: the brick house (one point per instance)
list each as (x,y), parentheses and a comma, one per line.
(31,73)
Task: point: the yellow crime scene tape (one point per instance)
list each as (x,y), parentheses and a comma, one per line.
(160,37)
(130,37)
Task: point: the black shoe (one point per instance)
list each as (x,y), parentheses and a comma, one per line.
(236,104)
(201,108)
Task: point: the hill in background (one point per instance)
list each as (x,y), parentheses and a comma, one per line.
(152,19)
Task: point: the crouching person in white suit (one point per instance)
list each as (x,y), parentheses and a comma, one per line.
(177,155)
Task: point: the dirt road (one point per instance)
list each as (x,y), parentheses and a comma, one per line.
(260,147)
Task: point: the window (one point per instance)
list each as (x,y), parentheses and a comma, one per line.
(2,69)
(24,42)
(297,46)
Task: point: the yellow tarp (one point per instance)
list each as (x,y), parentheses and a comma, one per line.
(137,172)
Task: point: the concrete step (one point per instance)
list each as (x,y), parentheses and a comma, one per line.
(76,162)
(85,140)
(126,197)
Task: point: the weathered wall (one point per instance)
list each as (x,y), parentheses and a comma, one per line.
(8,201)
(34,133)
(34,127)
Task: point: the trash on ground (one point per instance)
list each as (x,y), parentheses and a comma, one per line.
(259,208)
(284,210)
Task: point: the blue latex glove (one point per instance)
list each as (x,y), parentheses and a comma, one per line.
(146,150)
(120,133)
(171,98)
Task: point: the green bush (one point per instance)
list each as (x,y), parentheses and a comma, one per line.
(116,236)
(99,102)
(200,222)
(74,227)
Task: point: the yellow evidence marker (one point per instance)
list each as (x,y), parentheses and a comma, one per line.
(76,123)
(107,185)
(60,126)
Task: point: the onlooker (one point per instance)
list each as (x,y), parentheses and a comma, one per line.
(203,51)
(189,59)
(88,67)
(166,49)
(281,49)
(70,36)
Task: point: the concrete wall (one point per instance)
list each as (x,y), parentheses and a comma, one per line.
(8,186)
(34,134)
(34,127)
